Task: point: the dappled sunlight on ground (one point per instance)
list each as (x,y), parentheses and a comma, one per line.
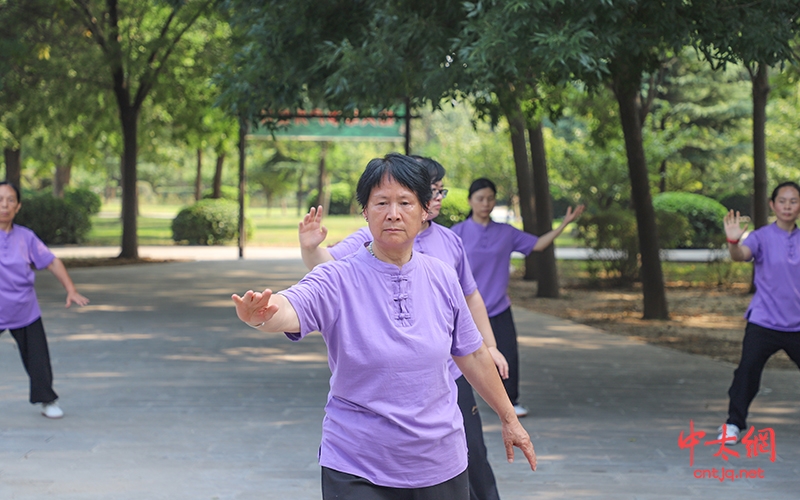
(112,308)
(559,342)
(93,375)
(115,337)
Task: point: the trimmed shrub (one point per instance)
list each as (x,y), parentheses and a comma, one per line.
(455,207)
(208,222)
(342,198)
(85,199)
(55,221)
(613,235)
(704,215)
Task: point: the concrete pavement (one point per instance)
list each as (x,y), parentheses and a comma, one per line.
(168,396)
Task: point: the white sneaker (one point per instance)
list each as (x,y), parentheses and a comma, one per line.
(731,433)
(51,410)
(520,410)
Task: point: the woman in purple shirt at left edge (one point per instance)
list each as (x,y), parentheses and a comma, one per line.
(391,319)
(21,249)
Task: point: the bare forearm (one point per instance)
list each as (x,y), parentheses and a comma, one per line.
(739,253)
(314,257)
(480,372)
(480,316)
(60,272)
(548,238)
(283,320)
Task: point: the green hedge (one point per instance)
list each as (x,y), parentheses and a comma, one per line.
(208,222)
(455,207)
(703,214)
(615,230)
(56,221)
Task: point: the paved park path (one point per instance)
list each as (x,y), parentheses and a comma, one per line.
(168,396)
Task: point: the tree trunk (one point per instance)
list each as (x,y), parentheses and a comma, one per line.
(760,189)
(324,197)
(662,177)
(198,180)
(129,117)
(217,188)
(62,178)
(13,165)
(516,124)
(243,128)
(546,269)
(655,299)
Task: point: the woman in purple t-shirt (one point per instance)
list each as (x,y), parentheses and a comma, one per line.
(437,241)
(21,249)
(489,247)
(773,317)
(391,319)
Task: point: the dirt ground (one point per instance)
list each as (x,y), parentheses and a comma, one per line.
(703,320)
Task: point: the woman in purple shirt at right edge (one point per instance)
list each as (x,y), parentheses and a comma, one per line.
(489,246)
(773,317)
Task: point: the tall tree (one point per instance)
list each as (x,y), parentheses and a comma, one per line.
(136,42)
(759,35)
(512,51)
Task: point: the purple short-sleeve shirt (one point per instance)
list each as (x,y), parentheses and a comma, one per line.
(20,249)
(489,250)
(436,241)
(392,415)
(776,256)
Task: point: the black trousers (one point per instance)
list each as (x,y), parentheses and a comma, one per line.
(482,485)
(506,336)
(342,486)
(36,360)
(758,346)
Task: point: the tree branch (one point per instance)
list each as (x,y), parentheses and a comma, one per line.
(82,9)
(149,79)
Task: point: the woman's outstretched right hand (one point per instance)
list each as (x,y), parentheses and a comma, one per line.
(254,308)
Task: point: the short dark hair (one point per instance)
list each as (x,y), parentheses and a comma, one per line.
(435,169)
(481,183)
(16,189)
(783,185)
(405,170)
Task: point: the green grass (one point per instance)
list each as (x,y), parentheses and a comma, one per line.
(154,227)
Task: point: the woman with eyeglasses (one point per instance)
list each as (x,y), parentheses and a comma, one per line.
(437,241)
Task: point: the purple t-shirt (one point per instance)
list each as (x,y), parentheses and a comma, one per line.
(20,249)
(776,256)
(436,241)
(489,251)
(392,415)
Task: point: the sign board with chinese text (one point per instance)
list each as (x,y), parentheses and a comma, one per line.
(320,125)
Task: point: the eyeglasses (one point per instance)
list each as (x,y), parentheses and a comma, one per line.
(436,192)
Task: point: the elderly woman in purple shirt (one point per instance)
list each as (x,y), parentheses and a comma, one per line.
(773,317)
(20,250)
(391,319)
(437,241)
(489,246)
